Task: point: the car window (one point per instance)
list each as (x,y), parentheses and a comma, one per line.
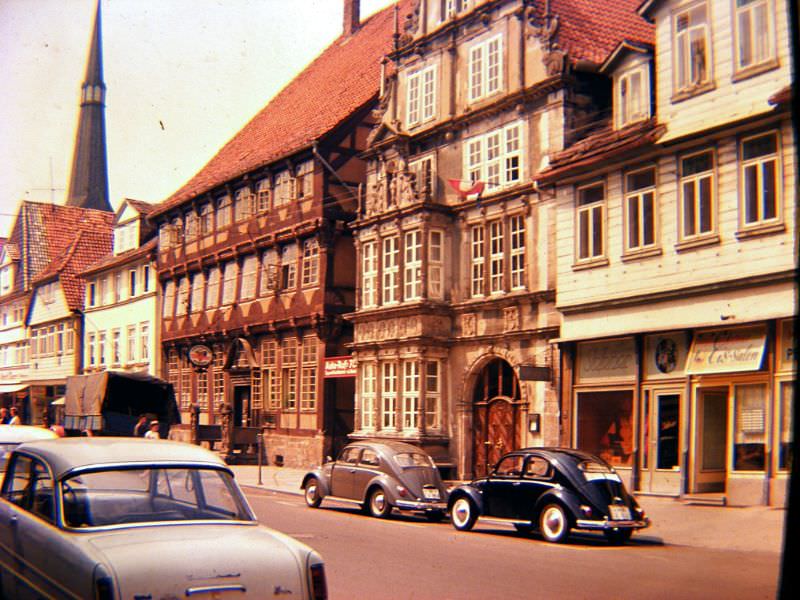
(537,467)
(369,457)
(41,495)
(122,496)
(18,481)
(412,459)
(5,452)
(350,455)
(509,466)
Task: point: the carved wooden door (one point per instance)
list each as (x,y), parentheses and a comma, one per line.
(495,433)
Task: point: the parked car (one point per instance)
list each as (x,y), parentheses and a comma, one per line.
(114,518)
(12,436)
(380,476)
(552,490)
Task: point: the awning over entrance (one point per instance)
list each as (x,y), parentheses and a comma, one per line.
(8,388)
(727,351)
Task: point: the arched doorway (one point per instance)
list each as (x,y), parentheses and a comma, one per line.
(496,415)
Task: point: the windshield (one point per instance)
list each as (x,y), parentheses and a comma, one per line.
(146,495)
(413,459)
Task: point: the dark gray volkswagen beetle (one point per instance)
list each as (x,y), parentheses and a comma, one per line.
(552,490)
(380,476)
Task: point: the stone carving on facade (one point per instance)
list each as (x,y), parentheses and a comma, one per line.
(511,319)
(469,325)
(543,28)
(411,25)
(555,61)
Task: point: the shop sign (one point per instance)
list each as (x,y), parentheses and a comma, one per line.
(665,355)
(340,366)
(200,355)
(787,353)
(608,360)
(727,351)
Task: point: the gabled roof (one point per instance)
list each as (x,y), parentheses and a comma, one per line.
(85,249)
(590,30)
(337,84)
(144,208)
(42,232)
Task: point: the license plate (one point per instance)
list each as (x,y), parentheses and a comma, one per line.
(430,493)
(620,513)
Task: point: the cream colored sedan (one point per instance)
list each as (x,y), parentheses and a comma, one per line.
(114,518)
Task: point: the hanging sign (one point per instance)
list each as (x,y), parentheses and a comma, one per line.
(340,366)
(200,355)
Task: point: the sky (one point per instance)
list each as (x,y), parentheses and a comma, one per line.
(182,78)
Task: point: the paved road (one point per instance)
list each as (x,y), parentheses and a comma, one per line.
(406,557)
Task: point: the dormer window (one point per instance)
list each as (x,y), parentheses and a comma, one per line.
(692,49)
(633,96)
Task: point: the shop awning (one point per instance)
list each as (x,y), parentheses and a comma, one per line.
(58,401)
(8,388)
(727,351)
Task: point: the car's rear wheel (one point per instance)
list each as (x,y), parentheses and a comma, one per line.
(463,514)
(379,506)
(554,523)
(311,493)
(618,536)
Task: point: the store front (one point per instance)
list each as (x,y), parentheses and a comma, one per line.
(700,413)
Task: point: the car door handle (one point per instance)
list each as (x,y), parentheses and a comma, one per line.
(12,521)
(516,483)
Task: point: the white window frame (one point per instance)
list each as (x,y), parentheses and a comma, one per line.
(436,264)
(637,223)
(391,270)
(496,256)
(687,79)
(182,297)
(412,265)
(144,341)
(485,68)
(230,276)
(168,301)
(755,169)
(310,262)
(433,395)
(593,215)
(754,36)
(516,235)
(369,274)
(422,95)
(411,396)
(198,292)
(131,344)
(478,260)
(368,389)
(212,287)
(389,396)
(242,205)
(633,96)
(695,181)
(496,157)
(249,271)
(223,212)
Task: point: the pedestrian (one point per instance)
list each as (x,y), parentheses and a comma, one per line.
(14,420)
(141,426)
(153,433)
(4,418)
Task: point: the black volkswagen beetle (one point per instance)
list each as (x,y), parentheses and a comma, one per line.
(380,476)
(552,490)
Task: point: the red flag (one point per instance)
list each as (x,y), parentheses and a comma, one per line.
(466,188)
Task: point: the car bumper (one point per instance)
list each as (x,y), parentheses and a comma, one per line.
(605,524)
(421,506)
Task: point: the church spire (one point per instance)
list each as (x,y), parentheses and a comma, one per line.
(88,186)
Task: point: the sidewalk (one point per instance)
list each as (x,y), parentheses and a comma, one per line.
(752,528)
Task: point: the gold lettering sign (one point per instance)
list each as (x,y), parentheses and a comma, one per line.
(727,351)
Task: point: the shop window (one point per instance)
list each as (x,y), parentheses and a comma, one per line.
(749,427)
(785,442)
(605,425)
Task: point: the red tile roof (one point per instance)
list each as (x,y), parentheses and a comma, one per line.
(120,259)
(600,147)
(591,29)
(339,82)
(144,208)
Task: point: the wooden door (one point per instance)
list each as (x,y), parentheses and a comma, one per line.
(495,433)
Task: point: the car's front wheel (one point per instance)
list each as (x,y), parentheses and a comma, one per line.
(554,523)
(463,514)
(378,504)
(618,536)
(311,493)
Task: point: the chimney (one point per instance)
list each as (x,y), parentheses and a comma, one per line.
(352,16)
